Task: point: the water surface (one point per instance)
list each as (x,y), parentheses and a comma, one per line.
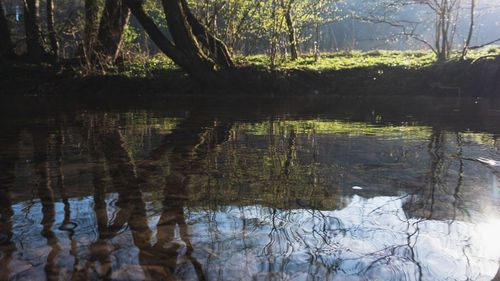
(341,189)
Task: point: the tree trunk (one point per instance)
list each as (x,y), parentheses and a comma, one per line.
(114,19)
(191,41)
(200,69)
(443,53)
(291,33)
(182,32)
(217,50)
(5,39)
(91,26)
(54,44)
(34,40)
(471,29)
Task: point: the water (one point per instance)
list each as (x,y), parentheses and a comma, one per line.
(183,189)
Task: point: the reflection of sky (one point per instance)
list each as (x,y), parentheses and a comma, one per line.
(372,237)
(369,238)
(32,250)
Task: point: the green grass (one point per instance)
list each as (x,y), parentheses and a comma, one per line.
(349,60)
(143,67)
(357,59)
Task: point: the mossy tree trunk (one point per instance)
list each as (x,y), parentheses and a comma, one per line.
(215,48)
(35,49)
(114,20)
(5,39)
(199,53)
(192,67)
(182,33)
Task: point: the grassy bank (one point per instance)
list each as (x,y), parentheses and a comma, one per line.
(141,67)
(377,72)
(356,59)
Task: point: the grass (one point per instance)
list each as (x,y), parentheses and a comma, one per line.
(357,59)
(143,67)
(350,60)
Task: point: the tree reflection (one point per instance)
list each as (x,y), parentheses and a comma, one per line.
(158,261)
(46,148)
(9,148)
(189,142)
(98,249)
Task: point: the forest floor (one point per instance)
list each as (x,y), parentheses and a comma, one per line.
(344,73)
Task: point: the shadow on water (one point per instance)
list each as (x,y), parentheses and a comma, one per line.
(333,189)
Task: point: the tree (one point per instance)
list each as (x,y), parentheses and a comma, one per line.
(192,47)
(313,15)
(215,48)
(441,16)
(287,11)
(5,38)
(471,29)
(114,19)
(54,44)
(91,26)
(230,20)
(35,49)
(446,13)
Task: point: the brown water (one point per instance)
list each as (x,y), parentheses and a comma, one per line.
(251,190)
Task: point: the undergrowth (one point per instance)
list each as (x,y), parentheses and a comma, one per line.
(145,67)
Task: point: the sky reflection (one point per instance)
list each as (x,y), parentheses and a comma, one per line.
(368,239)
(371,238)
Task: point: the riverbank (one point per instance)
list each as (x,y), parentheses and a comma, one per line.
(377,73)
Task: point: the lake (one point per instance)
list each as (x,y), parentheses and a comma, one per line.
(250,189)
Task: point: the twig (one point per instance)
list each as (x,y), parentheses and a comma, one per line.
(483,57)
(484,45)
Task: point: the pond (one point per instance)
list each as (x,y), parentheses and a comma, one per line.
(297,189)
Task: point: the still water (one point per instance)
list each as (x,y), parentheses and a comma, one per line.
(262,190)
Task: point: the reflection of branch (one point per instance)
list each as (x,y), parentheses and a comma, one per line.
(460,178)
(411,247)
(290,152)
(196,264)
(434,150)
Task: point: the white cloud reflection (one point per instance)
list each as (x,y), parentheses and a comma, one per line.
(370,239)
